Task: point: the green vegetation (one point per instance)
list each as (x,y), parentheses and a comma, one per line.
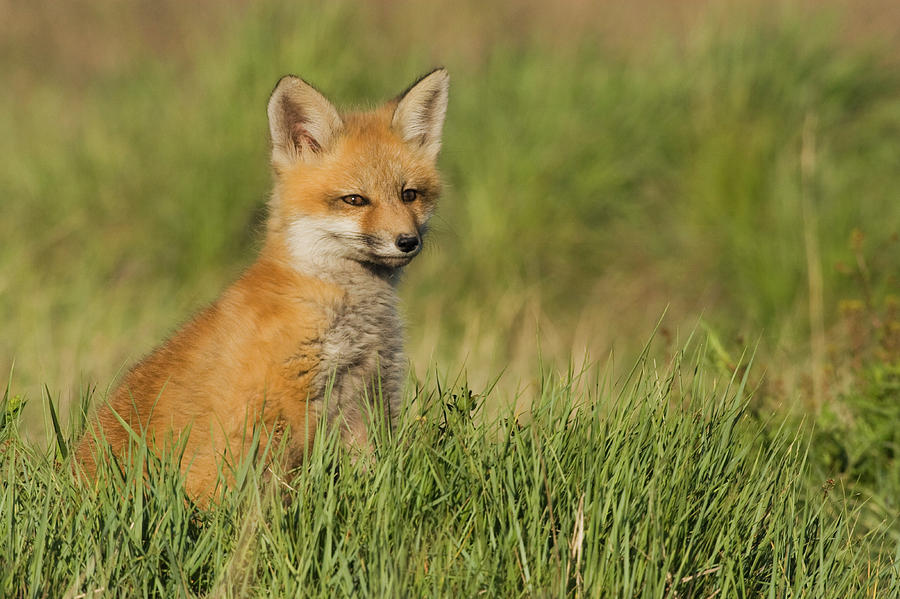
(739,171)
(656,485)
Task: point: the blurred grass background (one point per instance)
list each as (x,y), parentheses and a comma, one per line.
(735,161)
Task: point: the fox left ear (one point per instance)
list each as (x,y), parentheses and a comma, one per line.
(419,116)
(302,122)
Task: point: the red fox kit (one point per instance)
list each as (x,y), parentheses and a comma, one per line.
(316,313)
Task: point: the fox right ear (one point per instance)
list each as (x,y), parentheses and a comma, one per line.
(420,111)
(301,121)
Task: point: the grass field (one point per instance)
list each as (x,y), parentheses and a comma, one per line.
(730,168)
(656,485)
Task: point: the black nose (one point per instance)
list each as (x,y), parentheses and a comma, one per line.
(407,243)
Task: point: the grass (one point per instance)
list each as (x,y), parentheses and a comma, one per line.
(663,483)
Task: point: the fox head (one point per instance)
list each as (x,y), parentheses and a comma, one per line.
(359,186)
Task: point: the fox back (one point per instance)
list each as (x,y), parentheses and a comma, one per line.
(315,317)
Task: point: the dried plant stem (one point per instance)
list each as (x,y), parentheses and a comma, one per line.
(813,259)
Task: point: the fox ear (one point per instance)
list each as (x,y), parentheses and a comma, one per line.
(301,121)
(419,116)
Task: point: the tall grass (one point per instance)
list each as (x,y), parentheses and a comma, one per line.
(662,483)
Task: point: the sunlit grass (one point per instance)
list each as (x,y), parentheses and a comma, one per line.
(658,483)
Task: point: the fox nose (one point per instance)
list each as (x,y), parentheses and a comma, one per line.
(407,243)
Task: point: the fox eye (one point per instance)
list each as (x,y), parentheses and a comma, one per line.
(409,195)
(355,200)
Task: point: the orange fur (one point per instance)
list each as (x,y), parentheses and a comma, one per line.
(259,354)
(246,358)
